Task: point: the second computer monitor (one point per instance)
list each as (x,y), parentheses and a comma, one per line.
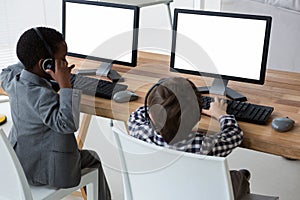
(101,31)
(226,46)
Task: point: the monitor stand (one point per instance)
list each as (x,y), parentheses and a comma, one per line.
(219,86)
(104,69)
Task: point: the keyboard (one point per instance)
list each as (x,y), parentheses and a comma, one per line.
(97,87)
(243,111)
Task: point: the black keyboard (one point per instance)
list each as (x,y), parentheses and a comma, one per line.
(97,87)
(243,111)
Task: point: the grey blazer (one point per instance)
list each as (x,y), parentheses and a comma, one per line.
(43,129)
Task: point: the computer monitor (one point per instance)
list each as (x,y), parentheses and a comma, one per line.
(225,46)
(101,31)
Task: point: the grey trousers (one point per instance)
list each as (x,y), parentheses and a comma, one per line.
(240,184)
(90,159)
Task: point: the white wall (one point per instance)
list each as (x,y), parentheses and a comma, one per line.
(284,42)
(16,16)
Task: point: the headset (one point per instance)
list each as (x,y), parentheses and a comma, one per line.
(147,117)
(48,63)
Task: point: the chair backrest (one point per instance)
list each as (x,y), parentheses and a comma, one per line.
(153,172)
(13,182)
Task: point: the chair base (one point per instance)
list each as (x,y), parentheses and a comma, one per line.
(259,197)
(53,194)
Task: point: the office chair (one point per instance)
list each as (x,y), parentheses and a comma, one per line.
(14,185)
(153,172)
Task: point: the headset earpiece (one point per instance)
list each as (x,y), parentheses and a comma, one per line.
(147,118)
(160,116)
(48,64)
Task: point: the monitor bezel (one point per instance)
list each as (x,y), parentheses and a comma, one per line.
(136,10)
(263,68)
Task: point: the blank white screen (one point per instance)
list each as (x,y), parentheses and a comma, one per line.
(89,29)
(233,45)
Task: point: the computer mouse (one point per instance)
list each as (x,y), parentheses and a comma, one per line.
(282,124)
(124,96)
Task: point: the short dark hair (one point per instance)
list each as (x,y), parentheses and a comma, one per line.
(30,47)
(179,108)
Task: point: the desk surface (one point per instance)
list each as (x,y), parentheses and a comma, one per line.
(281,90)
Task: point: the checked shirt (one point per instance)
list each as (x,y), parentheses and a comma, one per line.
(218,144)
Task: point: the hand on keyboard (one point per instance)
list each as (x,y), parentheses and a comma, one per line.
(243,111)
(216,109)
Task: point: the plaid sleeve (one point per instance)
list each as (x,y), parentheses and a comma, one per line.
(222,143)
(138,126)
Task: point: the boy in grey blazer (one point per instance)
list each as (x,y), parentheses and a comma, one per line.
(44,121)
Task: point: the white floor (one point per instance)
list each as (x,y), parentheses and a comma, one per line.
(271,175)
(72,197)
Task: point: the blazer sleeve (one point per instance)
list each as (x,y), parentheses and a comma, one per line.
(61,111)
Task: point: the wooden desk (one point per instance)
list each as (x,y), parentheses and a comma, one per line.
(281,90)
